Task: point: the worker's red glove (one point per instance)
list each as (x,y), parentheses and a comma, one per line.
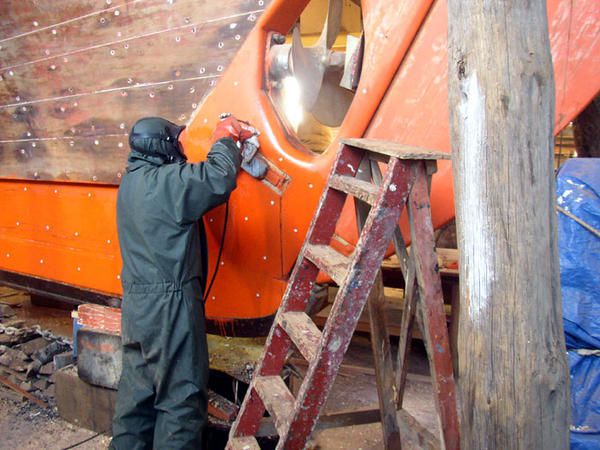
(232,128)
(247,131)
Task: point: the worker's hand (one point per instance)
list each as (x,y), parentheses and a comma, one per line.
(247,131)
(232,128)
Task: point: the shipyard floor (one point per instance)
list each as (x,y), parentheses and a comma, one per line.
(24,425)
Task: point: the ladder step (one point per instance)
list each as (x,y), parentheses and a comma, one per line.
(243,443)
(277,398)
(396,150)
(329,261)
(363,190)
(303,331)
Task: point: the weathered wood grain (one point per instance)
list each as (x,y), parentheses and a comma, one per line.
(58,160)
(363,190)
(18,17)
(395,149)
(103,112)
(277,398)
(64,113)
(329,261)
(512,368)
(303,332)
(418,434)
(116,24)
(138,61)
(88,142)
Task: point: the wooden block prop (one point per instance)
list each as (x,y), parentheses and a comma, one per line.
(83,404)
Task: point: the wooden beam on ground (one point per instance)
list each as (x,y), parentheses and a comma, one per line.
(23,392)
(513,373)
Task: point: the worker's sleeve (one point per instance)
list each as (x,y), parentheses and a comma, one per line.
(204,185)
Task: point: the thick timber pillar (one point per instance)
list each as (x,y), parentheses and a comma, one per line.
(513,375)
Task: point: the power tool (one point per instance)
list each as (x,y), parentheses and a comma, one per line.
(252,162)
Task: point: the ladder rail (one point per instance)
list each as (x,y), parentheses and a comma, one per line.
(380,344)
(349,303)
(407,267)
(433,317)
(297,293)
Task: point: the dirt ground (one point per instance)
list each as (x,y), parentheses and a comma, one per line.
(24,425)
(360,390)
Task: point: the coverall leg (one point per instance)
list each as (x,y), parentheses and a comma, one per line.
(181,384)
(133,424)
(164,385)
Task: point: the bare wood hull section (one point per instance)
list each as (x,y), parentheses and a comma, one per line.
(76,76)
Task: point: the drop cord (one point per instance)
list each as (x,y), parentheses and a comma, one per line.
(221,245)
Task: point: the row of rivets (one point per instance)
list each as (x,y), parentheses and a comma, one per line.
(42,261)
(124,93)
(221,44)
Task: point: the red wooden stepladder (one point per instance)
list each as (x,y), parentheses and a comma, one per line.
(404,184)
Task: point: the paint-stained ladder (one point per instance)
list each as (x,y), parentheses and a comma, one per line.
(405,183)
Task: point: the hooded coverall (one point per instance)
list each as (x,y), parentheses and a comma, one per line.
(162,398)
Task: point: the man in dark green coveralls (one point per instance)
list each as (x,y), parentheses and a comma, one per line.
(162,398)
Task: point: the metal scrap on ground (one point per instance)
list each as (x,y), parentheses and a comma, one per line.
(29,356)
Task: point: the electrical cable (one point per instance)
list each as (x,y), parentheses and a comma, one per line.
(84,441)
(221,245)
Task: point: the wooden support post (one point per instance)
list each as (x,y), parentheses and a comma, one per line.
(513,374)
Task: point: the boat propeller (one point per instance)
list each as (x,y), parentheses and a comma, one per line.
(318,69)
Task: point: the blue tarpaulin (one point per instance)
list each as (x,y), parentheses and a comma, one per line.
(585,401)
(578,193)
